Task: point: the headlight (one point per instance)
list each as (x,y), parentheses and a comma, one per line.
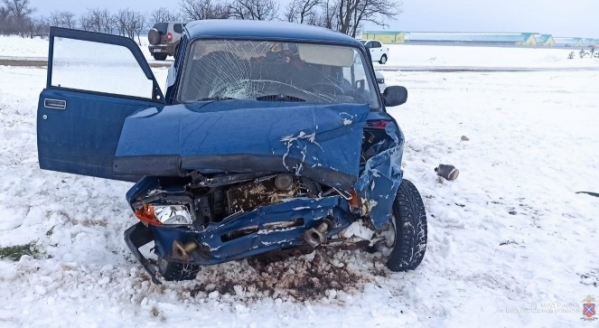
(173,214)
(164,214)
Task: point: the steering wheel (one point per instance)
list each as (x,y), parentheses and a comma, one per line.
(323,86)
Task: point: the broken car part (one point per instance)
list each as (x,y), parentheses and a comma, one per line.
(317,236)
(449,172)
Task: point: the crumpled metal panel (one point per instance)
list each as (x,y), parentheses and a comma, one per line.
(216,250)
(380,180)
(321,142)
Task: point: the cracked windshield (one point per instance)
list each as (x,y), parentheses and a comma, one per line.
(276,71)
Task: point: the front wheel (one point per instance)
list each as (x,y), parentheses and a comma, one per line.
(408,240)
(159,56)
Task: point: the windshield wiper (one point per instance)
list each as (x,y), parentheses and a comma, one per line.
(280,97)
(215,98)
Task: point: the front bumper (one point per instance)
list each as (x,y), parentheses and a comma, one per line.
(262,230)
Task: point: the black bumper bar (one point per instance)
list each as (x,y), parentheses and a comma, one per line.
(135,237)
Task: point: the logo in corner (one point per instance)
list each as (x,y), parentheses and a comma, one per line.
(589,309)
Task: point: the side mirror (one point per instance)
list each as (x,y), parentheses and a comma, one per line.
(395,96)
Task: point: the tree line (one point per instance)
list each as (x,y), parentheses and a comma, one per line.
(345,16)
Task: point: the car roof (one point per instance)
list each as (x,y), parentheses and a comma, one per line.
(265,30)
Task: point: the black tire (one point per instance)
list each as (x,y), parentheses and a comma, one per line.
(409,218)
(159,56)
(383,60)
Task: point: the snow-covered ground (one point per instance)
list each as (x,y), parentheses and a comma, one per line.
(496,57)
(510,242)
(399,55)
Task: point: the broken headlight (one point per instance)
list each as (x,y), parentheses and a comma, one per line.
(173,214)
(165,214)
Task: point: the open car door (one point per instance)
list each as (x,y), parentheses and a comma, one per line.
(94,82)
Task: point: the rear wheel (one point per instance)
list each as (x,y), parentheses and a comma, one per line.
(383,59)
(159,56)
(409,230)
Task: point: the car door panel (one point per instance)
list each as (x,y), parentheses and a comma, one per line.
(82,137)
(78,130)
(371,50)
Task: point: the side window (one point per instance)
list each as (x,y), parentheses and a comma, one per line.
(178,28)
(376,44)
(98,67)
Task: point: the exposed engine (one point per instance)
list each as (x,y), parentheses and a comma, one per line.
(213,199)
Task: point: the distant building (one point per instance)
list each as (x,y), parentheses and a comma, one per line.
(544,40)
(590,43)
(568,42)
(385,36)
(504,39)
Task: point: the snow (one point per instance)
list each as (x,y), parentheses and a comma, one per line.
(532,144)
(471,56)
(15,46)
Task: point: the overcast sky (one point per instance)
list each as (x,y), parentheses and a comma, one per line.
(558,17)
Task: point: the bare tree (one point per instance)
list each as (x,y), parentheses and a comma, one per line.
(139,23)
(204,9)
(123,20)
(106,21)
(254,9)
(19,9)
(327,16)
(162,14)
(17,16)
(5,21)
(68,19)
(98,20)
(38,26)
(302,11)
(86,23)
(62,19)
(129,23)
(348,16)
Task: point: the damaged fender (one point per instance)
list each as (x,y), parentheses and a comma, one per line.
(378,184)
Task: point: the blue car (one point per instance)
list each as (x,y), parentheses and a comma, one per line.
(271,139)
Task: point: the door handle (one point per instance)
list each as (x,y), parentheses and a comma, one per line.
(55,104)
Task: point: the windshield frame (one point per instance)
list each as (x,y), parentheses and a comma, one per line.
(369,70)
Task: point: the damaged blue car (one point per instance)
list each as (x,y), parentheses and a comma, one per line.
(270,139)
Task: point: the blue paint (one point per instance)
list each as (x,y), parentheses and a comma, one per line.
(264,240)
(314,140)
(381,177)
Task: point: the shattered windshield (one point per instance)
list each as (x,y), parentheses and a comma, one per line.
(276,71)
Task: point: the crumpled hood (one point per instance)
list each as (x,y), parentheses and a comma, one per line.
(322,142)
